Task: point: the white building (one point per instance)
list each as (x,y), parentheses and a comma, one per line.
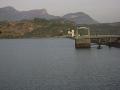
(71,33)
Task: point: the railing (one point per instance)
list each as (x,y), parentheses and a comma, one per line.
(104,36)
(98,36)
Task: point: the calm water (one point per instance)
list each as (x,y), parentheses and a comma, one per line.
(54,64)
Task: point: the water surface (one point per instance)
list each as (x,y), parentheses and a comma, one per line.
(54,64)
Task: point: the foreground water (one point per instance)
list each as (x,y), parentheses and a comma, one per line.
(54,64)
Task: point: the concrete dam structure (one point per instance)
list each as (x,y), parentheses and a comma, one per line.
(83,38)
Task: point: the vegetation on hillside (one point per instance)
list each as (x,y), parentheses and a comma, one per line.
(50,28)
(35,28)
(104,28)
(15,29)
(38,28)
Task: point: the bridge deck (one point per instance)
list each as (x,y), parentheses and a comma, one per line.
(99,36)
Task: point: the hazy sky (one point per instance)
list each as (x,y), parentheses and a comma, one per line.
(101,10)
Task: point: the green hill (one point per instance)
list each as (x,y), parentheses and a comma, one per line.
(35,28)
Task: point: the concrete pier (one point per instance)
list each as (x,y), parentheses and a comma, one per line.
(82,38)
(82,43)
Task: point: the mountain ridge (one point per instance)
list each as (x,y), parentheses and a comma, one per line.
(11,14)
(80,18)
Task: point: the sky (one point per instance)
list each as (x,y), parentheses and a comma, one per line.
(100,10)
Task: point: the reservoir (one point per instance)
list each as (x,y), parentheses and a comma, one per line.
(55,64)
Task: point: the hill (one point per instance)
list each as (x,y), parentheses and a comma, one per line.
(105,28)
(38,28)
(35,28)
(80,18)
(11,14)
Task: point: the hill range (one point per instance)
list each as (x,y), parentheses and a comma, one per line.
(11,14)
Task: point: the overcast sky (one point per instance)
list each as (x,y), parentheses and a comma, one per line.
(101,10)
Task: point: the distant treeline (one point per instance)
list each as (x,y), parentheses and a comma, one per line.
(105,28)
(50,28)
